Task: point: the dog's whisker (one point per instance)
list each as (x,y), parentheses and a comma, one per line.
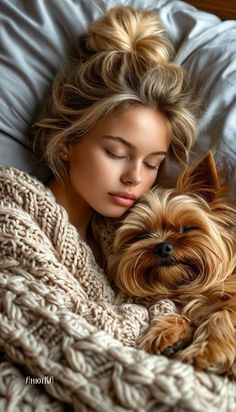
(154,235)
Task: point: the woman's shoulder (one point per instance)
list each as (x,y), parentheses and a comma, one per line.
(20,190)
(21,181)
(23,197)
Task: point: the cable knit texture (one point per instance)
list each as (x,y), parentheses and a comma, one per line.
(60,318)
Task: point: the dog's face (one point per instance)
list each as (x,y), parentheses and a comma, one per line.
(176,241)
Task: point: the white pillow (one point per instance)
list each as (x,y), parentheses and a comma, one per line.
(37,36)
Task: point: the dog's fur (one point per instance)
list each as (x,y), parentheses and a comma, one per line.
(180,244)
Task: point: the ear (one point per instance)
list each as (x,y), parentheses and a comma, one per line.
(201,178)
(63,152)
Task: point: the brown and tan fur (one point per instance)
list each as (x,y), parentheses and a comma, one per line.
(179,244)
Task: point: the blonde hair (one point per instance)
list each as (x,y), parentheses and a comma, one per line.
(123,59)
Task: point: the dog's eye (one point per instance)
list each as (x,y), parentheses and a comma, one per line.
(140,236)
(188,228)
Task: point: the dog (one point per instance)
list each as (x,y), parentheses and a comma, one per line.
(180,244)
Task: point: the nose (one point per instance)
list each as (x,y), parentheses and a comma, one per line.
(132,176)
(163,249)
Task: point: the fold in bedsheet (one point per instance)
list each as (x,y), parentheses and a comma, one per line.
(37,36)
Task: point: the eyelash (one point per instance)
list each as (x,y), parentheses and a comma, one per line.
(188,228)
(113,156)
(152,167)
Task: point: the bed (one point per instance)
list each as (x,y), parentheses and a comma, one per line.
(36,37)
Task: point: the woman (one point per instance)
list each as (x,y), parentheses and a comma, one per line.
(114,116)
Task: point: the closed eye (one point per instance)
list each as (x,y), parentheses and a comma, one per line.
(188,228)
(156,167)
(115,156)
(141,236)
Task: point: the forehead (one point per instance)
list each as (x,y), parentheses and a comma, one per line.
(144,128)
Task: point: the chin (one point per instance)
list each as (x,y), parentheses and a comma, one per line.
(113,212)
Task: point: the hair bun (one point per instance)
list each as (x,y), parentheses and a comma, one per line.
(129,30)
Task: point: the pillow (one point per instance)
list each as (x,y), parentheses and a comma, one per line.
(37,37)
(206,46)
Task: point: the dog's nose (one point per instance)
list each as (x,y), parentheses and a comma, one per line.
(163,249)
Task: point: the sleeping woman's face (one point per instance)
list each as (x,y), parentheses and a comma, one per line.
(114,164)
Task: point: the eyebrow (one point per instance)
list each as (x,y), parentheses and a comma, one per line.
(128,144)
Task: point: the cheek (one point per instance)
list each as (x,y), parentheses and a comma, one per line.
(100,170)
(93,168)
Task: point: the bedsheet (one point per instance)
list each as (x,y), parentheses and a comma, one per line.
(36,37)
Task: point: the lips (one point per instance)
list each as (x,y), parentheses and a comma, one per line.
(123,198)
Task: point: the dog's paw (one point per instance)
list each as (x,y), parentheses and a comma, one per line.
(209,356)
(167,335)
(231,373)
(171,350)
(213,347)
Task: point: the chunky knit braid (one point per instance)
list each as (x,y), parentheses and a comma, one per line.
(59,318)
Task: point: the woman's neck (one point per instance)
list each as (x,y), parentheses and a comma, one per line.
(79,214)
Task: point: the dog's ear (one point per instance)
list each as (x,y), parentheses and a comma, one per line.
(201,178)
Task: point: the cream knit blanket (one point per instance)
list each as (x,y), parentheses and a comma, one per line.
(64,339)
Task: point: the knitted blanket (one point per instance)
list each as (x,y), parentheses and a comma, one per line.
(66,342)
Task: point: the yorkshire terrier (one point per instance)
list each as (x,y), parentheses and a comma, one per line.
(179,244)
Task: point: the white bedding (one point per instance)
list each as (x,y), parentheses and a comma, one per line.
(37,36)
